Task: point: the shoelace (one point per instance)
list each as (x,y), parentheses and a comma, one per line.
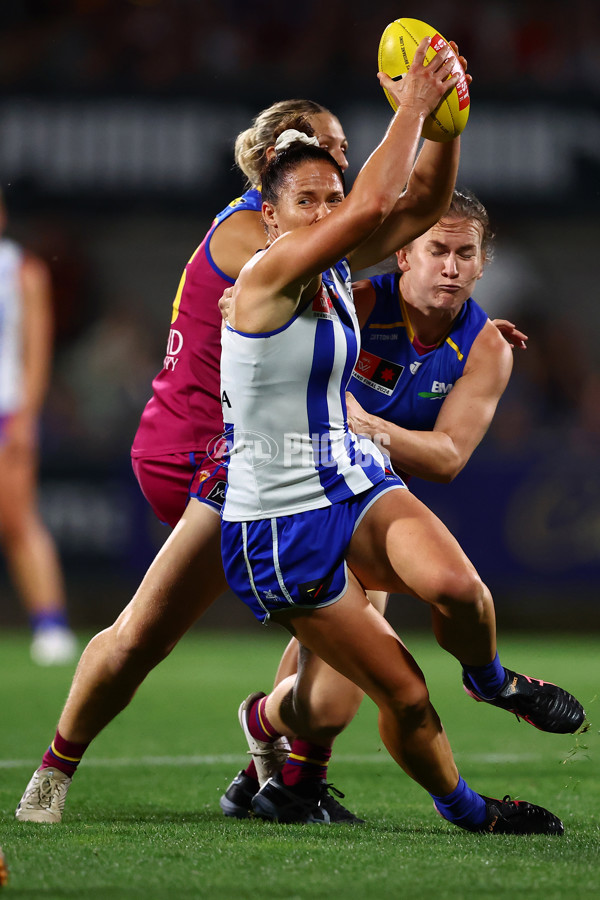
(331,788)
(44,792)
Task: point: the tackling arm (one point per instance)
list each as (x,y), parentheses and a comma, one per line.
(464,418)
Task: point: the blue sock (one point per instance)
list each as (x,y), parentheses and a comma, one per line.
(463,806)
(487,680)
(50,619)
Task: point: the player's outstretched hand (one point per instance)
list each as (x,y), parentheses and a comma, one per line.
(423,86)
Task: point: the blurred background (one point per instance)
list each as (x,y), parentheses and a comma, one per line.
(118,119)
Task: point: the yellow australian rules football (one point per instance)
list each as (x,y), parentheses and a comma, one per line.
(396,53)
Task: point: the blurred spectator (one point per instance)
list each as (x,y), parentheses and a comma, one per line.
(149,45)
(25,352)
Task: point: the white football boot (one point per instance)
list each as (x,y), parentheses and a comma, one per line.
(269,756)
(44,797)
(56,646)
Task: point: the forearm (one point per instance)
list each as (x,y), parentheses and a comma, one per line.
(431,183)
(385,174)
(431,455)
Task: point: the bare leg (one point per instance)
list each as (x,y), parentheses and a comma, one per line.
(402,546)
(335,699)
(352,637)
(182,582)
(30,552)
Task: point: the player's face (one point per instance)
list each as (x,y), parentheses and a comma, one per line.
(331,137)
(441,267)
(309,194)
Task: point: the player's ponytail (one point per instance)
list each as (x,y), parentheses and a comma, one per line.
(251,145)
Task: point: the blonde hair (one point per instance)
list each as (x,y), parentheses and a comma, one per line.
(251,144)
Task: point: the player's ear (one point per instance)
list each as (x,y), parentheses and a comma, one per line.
(268,214)
(270,153)
(402,258)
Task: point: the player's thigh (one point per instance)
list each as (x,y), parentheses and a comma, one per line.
(355,640)
(184,579)
(400,545)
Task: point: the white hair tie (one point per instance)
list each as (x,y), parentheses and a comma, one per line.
(292,136)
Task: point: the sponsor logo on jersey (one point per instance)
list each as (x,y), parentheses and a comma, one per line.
(414,367)
(174,347)
(380,374)
(269,595)
(439,390)
(322,306)
(217,493)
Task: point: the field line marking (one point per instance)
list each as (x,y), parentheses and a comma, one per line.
(237,758)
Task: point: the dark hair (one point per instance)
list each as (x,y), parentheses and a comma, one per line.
(465,205)
(275,172)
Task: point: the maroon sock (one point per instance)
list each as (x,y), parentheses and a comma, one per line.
(250,770)
(306,761)
(63,755)
(258,723)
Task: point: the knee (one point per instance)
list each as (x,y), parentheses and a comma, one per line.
(137,646)
(410,705)
(459,589)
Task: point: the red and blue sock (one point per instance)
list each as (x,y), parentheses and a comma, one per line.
(63,755)
(306,762)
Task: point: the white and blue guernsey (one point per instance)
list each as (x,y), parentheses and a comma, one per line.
(299,482)
(11,340)
(284,408)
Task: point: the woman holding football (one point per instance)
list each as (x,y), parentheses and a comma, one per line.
(327,496)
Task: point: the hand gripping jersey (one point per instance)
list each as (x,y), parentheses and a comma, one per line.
(11,318)
(284,407)
(184,412)
(391,379)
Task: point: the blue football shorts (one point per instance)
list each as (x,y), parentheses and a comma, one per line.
(297,560)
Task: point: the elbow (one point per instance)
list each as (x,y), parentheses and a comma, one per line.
(373,210)
(446,469)
(450,470)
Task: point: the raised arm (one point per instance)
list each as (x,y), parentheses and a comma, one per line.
(463,420)
(297,256)
(426,198)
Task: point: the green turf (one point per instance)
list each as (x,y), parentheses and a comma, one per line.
(142,817)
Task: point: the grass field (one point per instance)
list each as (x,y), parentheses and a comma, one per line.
(142,818)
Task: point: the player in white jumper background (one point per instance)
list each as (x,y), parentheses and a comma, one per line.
(263,555)
(25,354)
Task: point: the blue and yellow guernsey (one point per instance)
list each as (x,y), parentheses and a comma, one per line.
(395,381)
